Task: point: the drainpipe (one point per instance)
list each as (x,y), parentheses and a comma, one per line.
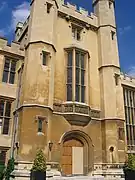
(15,119)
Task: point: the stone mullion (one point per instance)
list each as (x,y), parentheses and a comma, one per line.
(3,119)
(73,80)
(9,71)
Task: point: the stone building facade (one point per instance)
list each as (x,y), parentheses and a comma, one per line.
(66,88)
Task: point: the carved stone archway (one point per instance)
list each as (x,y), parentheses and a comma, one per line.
(74,140)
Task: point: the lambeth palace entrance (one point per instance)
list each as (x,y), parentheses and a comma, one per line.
(76,153)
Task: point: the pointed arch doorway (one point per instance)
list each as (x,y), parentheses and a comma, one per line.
(75,156)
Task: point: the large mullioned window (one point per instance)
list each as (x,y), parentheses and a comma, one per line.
(129,103)
(9,71)
(76,76)
(5,111)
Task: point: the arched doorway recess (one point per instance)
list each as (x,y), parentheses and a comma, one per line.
(76,153)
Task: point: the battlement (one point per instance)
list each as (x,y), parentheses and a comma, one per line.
(13,48)
(74,7)
(79,13)
(127,80)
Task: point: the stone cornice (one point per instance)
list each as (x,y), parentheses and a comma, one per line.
(106,25)
(112,118)
(11,54)
(29,106)
(35,42)
(108,65)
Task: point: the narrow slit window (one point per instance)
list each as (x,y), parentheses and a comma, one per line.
(112,35)
(44,58)
(40,124)
(116,79)
(49,7)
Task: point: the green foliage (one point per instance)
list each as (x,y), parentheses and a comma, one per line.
(2,168)
(9,168)
(130,164)
(39,162)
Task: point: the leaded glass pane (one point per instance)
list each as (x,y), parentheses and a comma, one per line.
(6,126)
(130,134)
(5,76)
(1,107)
(77,59)
(69,75)
(7,64)
(127,134)
(77,97)
(12,78)
(82,77)
(69,92)
(8,109)
(69,62)
(134,133)
(77,75)
(82,94)
(13,66)
(82,61)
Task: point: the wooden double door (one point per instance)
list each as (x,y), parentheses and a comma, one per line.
(72,157)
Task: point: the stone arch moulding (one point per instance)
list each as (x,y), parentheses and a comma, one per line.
(88,147)
(77,132)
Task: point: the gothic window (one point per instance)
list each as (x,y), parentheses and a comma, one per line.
(129,96)
(5,110)
(76,76)
(76,32)
(9,71)
(2,157)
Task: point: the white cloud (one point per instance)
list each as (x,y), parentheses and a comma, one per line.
(131,71)
(2,32)
(20,13)
(124,29)
(2,5)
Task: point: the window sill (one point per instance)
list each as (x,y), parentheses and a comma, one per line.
(75,102)
(40,134)
(9,84)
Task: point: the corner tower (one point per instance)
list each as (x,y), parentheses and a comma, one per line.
(112,110)
(38,80)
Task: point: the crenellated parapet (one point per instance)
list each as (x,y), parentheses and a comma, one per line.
(13,48)
(127,80)
(70,11)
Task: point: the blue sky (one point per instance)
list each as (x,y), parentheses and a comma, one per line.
(13,10)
